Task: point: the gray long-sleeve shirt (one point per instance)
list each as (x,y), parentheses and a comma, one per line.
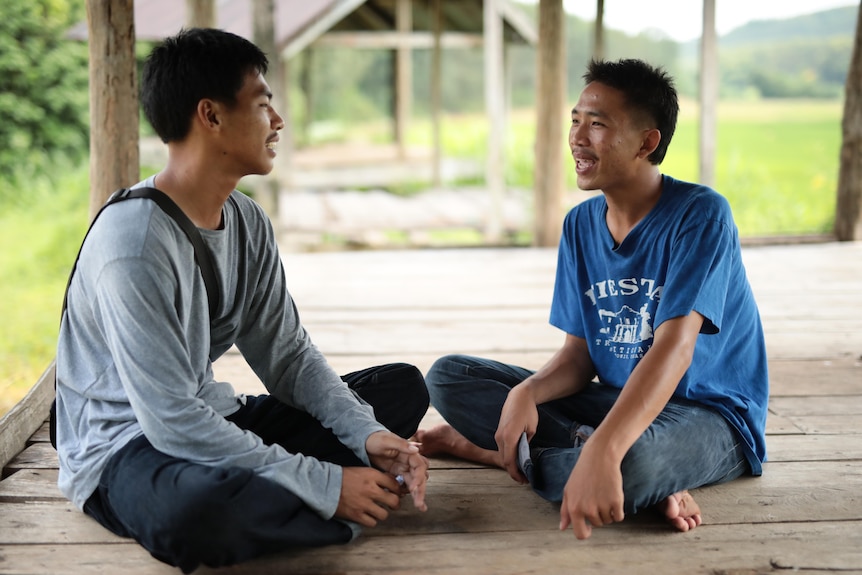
(136,349)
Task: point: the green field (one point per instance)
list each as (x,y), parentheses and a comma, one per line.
(777,163)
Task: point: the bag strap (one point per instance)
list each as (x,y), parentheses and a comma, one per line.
(202,252)
(202,257)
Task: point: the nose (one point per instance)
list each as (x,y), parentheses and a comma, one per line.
(577,135)
(276,120)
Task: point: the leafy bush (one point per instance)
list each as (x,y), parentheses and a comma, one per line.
(43,86)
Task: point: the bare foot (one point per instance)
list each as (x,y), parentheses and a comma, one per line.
(444,440)
(681,511)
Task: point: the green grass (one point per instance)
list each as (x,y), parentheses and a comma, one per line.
(777,163)
(40,231)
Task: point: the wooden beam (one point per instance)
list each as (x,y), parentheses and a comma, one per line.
(599,31)
(548,176)
(26,417)
(114,155)
(436,91)
(708,94)
(338,11)
(372,19)
(848,209)
(263,20)
(494,109)
(392,40)
(403,74)
(201,13)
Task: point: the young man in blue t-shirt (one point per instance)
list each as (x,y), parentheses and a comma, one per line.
(661,384)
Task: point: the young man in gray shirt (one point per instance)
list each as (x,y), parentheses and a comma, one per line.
(149,443)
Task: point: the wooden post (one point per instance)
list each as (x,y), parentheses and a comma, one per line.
(494,167)
(848,209)
(599,31)
(201,13)
(263,18)
(114,155)
(436,92)
(708,94)
(550,115)
(403,72)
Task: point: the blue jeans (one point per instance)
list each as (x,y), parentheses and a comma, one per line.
(687,446)
(187,514)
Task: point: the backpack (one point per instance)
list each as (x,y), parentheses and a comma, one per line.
(203,259)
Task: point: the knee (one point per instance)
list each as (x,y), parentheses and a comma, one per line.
(412,380)
(446,369)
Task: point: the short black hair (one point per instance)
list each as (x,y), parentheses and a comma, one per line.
(195,64)
(648,91)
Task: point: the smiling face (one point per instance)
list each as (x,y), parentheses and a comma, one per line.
(248,130)
(608,145)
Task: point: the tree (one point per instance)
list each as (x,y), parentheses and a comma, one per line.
(43,85)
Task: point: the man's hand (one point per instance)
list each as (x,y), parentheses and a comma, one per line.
(367,495)
(593,495)
(399,457)
(519,415)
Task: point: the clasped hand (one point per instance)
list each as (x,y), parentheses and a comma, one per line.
(368,494)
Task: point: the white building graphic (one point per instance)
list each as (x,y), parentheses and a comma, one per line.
(627,325)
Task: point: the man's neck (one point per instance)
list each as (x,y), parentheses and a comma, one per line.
(200,193)
(628,206)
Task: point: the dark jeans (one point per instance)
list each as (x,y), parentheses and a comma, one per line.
(187,514)
(688,445)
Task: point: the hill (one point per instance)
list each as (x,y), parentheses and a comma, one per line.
(801,57)
(828,24)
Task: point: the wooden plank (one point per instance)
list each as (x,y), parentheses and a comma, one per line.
(739,549)
(484,500)
(813,448)
(36,456)
(42,435)
(778,425)
(795,491)
(26,417)
(92,559)
(821,405)
(50,523)
(833,424)
(708,549)
(835,376)
(31,485)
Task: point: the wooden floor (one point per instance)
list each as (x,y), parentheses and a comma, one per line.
(364,308)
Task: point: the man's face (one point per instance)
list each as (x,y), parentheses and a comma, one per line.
(604,140)
(250,130)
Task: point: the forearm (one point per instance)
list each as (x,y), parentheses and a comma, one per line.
(649,387)
(566,373)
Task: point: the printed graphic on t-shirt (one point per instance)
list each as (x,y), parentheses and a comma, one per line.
(625,328)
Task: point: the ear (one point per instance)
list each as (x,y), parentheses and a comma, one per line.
(650,142)
(208,114)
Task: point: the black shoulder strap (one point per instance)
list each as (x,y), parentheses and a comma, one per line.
(202,257)
(202,253)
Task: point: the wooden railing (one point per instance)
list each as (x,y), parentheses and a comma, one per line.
(26,417)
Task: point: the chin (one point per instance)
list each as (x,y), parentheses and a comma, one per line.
(586,185)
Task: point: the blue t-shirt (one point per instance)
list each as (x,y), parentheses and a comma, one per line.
(683,256)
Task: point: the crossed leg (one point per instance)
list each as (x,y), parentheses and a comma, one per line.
(679,509)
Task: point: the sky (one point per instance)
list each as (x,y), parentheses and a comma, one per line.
(681,19)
